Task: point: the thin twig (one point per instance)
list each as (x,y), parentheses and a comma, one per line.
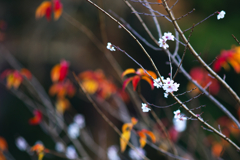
(185,15)
(236,39)
(185,50)
(106,119)
(175,24)
(201,21)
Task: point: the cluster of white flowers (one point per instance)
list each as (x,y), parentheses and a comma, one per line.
(178,116)
(110,47)
(74,128)
(221,15)
(163,41)
(145,108)
(168,85)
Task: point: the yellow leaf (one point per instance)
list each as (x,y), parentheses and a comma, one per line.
(55,73)
(124,139)
(127,127)
(40,156)
(128,71)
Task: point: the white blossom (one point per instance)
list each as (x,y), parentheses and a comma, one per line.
(145,108)
(71,152)
(179,125)
(112,153)
(166,95)
(73,130)
(177,113)
(21,143)
(178,116)
(221,15)
(169,86)
(168,36)
(59,147)
(110,47)
(134,155)
(157,82)
(163,43)
(80,120)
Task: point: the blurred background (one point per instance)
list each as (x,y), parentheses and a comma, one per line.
(39,44)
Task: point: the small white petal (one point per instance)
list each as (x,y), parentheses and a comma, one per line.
(221,15)
(112,153)
(59,147)
(134,155)
(73,130)
(21,143)
(71,152)
(145,108)
(80,120)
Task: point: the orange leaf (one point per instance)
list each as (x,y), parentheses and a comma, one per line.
(3,144)
(55,73)
(124,139)
(217,149)
(150,81)
(142,139)
(40,150)
(135,81)
(134,120)
(150,134)
(153,74)
(36,119)
(25,72)
(62,105)
(159,1)
(125,83)
(128,71)
(44,10)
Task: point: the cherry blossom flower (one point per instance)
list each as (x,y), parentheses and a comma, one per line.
(177,113)
(134,155)
(21,143)
(80,120)
(168,36)
(179,125)
(166,95)
(221,15)
(157,82)
(163,43)
(110,47)
(145,108)
(73,130)
(71,152)
(59,147)
(112,153)
(178,116)
(169,86)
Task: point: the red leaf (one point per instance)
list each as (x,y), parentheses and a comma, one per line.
(135,81)
(36,119)
(64,65)
(125,83)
